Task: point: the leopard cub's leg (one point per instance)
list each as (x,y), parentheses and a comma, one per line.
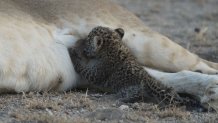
(131,94)
(76,60)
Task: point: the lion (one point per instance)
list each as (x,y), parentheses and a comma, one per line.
(35,36)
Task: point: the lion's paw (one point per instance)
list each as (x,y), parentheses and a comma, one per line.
(210,98)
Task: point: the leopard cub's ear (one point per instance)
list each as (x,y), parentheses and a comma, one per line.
(98,42)
(120,31)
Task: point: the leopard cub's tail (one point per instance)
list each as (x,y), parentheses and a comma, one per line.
(166,96)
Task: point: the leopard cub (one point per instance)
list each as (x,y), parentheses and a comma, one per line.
(106,62)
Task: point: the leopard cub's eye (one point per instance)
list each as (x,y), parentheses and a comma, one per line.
(85,51)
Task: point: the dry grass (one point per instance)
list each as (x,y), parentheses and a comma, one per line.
(77,107)
(178,113)
(47,118)
(57,101)
(47,107)
(34,103)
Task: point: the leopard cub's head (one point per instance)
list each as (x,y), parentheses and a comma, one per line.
(101,38)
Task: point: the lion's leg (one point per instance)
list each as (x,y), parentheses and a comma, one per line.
(153,51)
(203,87)
(211,64)
(157,51)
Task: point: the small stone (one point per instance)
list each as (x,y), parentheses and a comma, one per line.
(82,110)
(135,106)
(113,105)
(106,114)
(121,121)
(197,30)
(124,107)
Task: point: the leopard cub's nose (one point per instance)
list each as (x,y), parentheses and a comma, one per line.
(85,51)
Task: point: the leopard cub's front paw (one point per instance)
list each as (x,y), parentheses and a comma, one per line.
(74,54)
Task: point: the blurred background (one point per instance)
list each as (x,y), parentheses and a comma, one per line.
(191,23)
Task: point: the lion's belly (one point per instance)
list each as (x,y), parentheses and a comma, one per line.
(31,59)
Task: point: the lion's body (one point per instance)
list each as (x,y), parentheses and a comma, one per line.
(35,35)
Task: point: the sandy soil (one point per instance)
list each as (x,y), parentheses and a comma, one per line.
(191,23)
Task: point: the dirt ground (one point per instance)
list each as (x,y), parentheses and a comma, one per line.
(191,23)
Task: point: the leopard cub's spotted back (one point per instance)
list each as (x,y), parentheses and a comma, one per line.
(105,61)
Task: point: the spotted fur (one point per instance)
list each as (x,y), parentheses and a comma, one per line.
(111,65)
